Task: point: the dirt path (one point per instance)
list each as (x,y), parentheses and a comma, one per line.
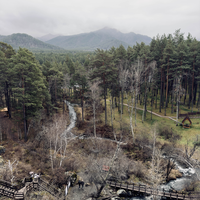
(153,113)
(76,193)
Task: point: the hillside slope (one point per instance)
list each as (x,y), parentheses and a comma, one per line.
(26,41)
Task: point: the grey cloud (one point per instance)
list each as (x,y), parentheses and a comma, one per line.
(148,17)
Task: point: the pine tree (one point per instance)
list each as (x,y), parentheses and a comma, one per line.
(104,70)
(193,52)
(168,62)
(6,72)
(29,85)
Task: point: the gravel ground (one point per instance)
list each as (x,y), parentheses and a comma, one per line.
(76,193)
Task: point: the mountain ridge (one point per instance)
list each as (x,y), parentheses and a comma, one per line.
(47,37)
(23,40)
(104,38)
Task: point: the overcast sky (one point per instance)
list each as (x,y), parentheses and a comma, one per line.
(69,17)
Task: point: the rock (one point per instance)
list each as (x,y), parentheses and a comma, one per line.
(174,174)
(121,193)
(2,150)
(89,199)
(45,198)
(87,184)
(115,198)
(1,161)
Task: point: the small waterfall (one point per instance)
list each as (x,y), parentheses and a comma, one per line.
(189,174)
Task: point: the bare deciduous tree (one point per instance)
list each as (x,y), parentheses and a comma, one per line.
(9,171)
(178,90)
(156,170)
(123,75)
(95,94)
(190,152)
(57,141)
(97,176)
(135,78)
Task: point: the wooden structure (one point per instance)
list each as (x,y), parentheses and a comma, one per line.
(191,114)
(152,191)
(186,119)
(20,192)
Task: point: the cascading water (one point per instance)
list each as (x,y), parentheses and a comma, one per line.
(72,114)
(189,174)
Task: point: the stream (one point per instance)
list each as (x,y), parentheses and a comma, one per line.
(72,114)
(189,174)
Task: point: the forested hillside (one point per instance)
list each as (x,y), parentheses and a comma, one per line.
(163,74)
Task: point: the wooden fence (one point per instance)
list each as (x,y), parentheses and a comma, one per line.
(152,191)
(190,114)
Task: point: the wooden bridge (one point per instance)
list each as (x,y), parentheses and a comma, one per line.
(20,192)
(151,191)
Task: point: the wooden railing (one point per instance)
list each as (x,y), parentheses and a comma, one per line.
(152,191)
(7,185)
(6,193)
(49,188)
(20,191)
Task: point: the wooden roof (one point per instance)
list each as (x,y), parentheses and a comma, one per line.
(186,118)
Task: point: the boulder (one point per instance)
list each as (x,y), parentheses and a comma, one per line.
(87,184)
(174,174)
(115,198)
(121,193)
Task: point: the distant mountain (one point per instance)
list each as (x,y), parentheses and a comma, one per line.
(130,38)
(47,37)
(26,41)
(104,39)
(86,41)
(1,37)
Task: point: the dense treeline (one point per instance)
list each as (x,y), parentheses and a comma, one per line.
(169,72)
(161,74)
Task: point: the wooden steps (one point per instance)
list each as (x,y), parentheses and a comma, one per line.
(19,193)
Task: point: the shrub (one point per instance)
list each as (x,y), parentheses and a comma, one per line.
(168,133)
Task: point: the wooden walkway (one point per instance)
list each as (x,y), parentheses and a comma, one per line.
(20,192)
(151,191)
